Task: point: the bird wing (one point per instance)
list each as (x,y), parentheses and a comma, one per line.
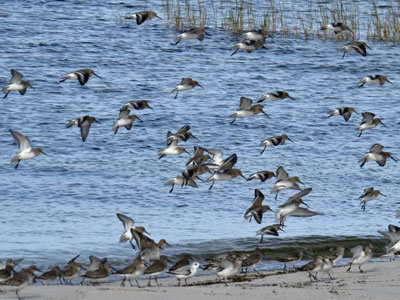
(357,251)
(376,148)
(367,117)
(367,191)
(303,212)
(180,265)
(95,263)
(186,81)
(229,162)
(83,77)
(126,221)
(392,236)
(23,141)
(301,194)
(85,126)
(394,228)
(124,114)
(217,155)
(183,129)
(360,48)
(245,103)
(258,198)
(281,174)
(16,76)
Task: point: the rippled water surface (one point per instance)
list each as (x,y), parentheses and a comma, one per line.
(65,203)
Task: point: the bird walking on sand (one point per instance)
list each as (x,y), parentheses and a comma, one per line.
(142,16)
(133,270)
(369,122)
(373,79)
(81,75)
(50,276)
(252,260)
(283,182)
(156,269)
(361,255)
(99,275)
(256,210)
(368,195)
(229,269)
(20,280)
(246,109)
(313,267)
(375,153)
(183,269)
(275,96)
(248,45)
(125,119)
(360,47)
(25,149)
(336,27)
(84,123)
(194,33)
(274,141)
(344,111)
(184,85)
(270,230)
(292,258)
(16,84)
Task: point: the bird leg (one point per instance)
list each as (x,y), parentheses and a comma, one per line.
(123,281)
(176,94)
(262,237)
(256,271)
(137,283)
(360,133)
(155,278)
(231,54)
(148,284)
(172,188)
(211,186)
(359,267)
(233,121)
(16,166)
(179,282)
(186,282)
(263,150)
(133,246)
(348,270)
(130,281)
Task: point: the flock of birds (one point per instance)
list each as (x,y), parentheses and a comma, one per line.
(149,261)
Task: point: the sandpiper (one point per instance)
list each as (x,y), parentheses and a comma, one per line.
(283,182)
(360,256)
(198,157)
(224,176)
(183,269)
(125,120)
(172,149)
(374,79)
(99,275)
(134,270)
(193,173)
(138,104)
(128,225)
(84,123)
(183,134)
(95,263)
(292,207)
(262,175)
(142,16)
(256,35)
(248,45)
(82,75)
(360,47)
(7,272)
(181,180)
(256,209)
(50,276)
(275,96)
(252,260)
(369,122)
(246,109)
(274,141)
(194,33)
(336,27)
(313,267)
(368,195)
(20,280)
(16,84)
(157,268)
(71,271)
(344,111)
(375,153)
(184,85)
(151,250)
(229,269)
(292,258)
(25,149)
(270,230)
(182,264)
(338,255)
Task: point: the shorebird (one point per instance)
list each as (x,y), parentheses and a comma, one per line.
(270,230)
(138,104)
(95,263)
(194,33)
(395,247)
(262,175)
(248,45)
(99,275)
(193,173)
(252,260)
(151,250)
(218,162)
(128,225)
(20,280)
(142,16)
(71,271)
(16,84)
(375,153)
(368,195)
(125,120)
(256,35)
(336,27)
(25,149)
(198,157)
(274,141)
(360,47)
(369,122)
(393,233)
(344,111)
(157,268)
(327,266)
(292,258)
(313,267)
(49,276)
(181,180)
(246,109)
(134,270)
(275,96)
(283,182)
(7,272)
(229,269)
(84,123)
(183,134)
(172,149)
(374,79)
(292,207)
(224,176)
(184,85)
(338,255)
(256,209)
(82,75)
(360,256)
(183,269)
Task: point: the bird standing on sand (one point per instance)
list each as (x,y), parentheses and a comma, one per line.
(292,258)
(25,149)
(361,255)
(246,109)
(184,85)
(134,270)
(16,84)
(84,123)
(252,260)
(142,16)
(99,275)
(183,269)
(157,268)
(82,75)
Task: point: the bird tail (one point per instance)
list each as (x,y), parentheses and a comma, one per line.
(331,113)
(233,115)
(15,158)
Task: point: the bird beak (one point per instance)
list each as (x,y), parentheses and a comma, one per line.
(383,124)
(283,230)
(292,98)
(151,108)
(290,140)
(139,119)
(383,195)
(356,112)
(200,86)
(206,33)
(96,75)
(393,158)
(159,17)
(44,153)
(266,114)
(187,152)
(246,178)
(35,89)
(368,47)
(301,182)
(97,121)
(271,36)
(305,204)
(388,81)
(195,137)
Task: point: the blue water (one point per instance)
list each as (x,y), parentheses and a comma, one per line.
(56,206)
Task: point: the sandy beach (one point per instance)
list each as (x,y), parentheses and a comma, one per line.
(379,281)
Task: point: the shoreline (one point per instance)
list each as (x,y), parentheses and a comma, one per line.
(380,280)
